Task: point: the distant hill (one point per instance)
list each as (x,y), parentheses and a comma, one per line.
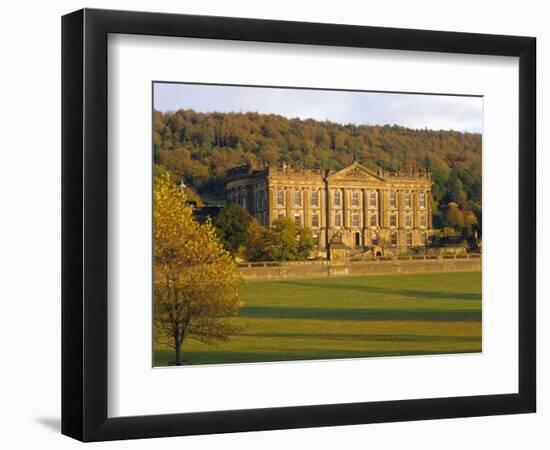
(198,148)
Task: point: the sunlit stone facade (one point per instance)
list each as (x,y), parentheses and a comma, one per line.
(386,213)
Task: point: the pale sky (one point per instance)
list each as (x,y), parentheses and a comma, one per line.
(446,112)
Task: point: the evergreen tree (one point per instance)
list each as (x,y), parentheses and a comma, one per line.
(232,226)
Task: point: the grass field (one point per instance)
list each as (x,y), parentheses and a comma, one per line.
(344,317)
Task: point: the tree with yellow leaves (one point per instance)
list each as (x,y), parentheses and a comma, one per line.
(196,286)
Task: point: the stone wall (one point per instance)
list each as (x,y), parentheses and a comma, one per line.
(381,266)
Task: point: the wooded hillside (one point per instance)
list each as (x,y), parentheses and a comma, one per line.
(198,148)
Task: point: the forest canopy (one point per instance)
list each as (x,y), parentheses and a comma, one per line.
(198,148)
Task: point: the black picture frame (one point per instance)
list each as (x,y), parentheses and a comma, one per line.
(84,224)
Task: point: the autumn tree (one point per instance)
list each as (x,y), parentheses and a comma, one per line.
(454,217)
(305,244)
(470,223)
(196,286)
(470,218)
(255,241)
(284,241)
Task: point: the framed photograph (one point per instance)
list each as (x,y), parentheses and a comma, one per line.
(273,224)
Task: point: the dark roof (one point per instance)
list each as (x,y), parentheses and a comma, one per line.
(201,213)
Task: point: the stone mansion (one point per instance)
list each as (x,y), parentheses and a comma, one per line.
(385,213)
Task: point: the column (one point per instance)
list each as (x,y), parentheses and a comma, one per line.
(249,202)
(428,194)
(382,208)
(330,213)
(322,216)
(383,235)
(364,216)
(345,207)
(414,198)
(365,208)
(252,197)
(306,197)
(401,233)
(271,205)
(322,209)
(289,199)
(401,208)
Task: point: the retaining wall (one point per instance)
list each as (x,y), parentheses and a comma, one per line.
(382,266)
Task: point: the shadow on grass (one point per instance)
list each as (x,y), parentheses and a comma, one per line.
(367,337)
(386,290)
(223,357)
(364,314)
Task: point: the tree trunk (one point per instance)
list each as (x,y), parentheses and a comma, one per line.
(178,354)
(177,347)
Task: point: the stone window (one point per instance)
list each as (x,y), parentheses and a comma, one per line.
(315,220)
(242,197)
(422,199)
(393,220)
(423,238)
(409,239)
(337,198)
(315,198)
(280,198)
(372,199)
(354,219)
(297,198)
(259,200)
(280,215)
(337,220)
(407,199)
(373,220)
(393,199)
(355,199)
(423,220)
(298,218)
(393,238)
(408,220)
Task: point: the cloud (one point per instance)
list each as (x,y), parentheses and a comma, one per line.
(461,113)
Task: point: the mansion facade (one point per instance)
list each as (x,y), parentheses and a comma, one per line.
(363,209)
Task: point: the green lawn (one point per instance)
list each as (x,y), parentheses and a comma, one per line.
(345,317)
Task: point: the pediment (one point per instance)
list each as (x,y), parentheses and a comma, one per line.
(356,172)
